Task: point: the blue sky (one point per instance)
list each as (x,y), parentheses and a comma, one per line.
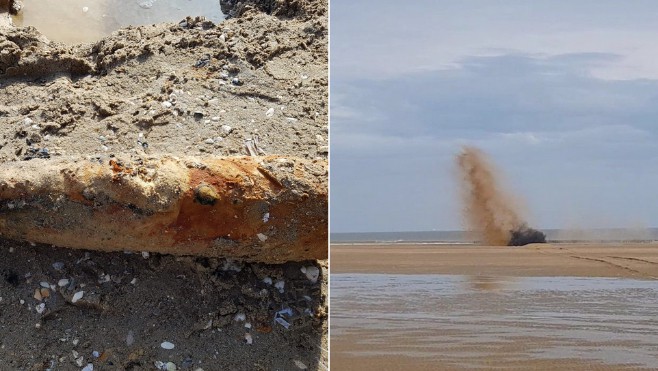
(562,95)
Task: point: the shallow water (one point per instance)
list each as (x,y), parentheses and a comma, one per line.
(465,320)
(76,21)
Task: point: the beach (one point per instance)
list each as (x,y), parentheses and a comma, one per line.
(638,260)
(453,307)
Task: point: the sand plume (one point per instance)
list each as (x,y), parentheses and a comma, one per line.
(488,210)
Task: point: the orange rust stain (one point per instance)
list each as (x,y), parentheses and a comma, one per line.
(264,329)
(241,189)
(197,222)
(117,167)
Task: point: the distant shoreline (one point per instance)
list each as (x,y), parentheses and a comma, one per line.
(559,236)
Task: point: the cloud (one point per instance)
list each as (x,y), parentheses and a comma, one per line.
(385,39)
(566,139)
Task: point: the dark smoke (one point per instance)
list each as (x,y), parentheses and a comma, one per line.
(489,210)
(525,235)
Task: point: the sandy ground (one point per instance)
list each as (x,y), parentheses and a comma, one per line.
(254,84)
(351,343)
(578,260)
(366,346)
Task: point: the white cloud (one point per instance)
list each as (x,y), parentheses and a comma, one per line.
(385,39)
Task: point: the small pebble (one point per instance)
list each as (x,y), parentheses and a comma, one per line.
(267,280)
(58,265)
(77,296)
(95,354)
(130,338)
(261,237)
(166,104)
(266,217)
(300,365)
(171,366)
(270,112)
(145,254)
(209,141)
(226,129)
(247,325)
(85,9)
(44,284)
(248,338)
(63,282)
(167,345)
(280,285)
(40,308)
(311,272)
(240,317)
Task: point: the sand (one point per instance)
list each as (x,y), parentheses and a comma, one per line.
(486,326)
(253,84)
(579,260)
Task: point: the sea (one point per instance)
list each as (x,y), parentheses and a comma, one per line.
(462,237)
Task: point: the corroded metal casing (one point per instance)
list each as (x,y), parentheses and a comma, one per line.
(268,209)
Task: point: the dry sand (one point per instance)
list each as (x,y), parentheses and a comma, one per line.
(387,338)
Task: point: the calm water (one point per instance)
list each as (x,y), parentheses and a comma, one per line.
(75,21)
(465,319)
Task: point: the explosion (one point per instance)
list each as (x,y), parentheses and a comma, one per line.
(488,210)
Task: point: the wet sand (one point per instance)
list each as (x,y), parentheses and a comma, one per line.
(454,307)
(579,260)
(62,22)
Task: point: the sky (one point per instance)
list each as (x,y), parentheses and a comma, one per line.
(562,95)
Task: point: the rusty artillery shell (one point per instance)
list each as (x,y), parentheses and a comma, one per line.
(268,209)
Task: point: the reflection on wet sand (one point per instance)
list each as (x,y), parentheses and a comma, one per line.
(78,21)
(457,322)
(488,283)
